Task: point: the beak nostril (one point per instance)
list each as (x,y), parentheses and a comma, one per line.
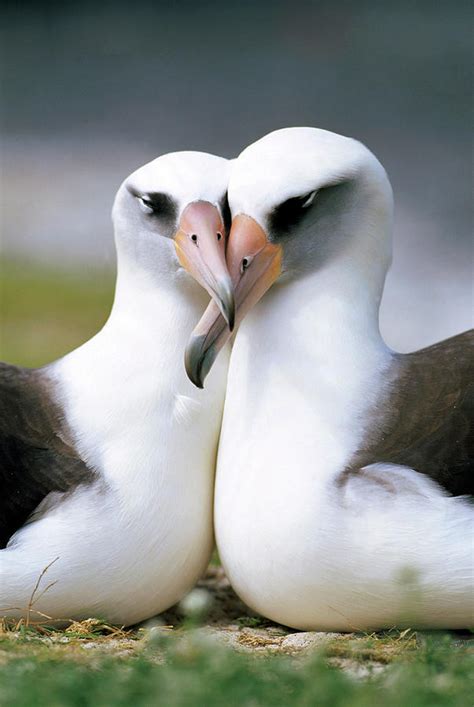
(219,236)
(194,238)
(245,263)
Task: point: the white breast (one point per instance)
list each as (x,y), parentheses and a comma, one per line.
(137,540)
(296,547)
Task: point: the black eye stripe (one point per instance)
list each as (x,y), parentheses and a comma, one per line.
(288,213)
(298,201)
(225,211)
(161,212)
(159,202)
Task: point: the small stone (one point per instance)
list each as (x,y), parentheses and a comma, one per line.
(306,641)
(153,630)
(196,604)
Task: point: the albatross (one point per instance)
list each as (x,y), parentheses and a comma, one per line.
(345,473)
(107,455)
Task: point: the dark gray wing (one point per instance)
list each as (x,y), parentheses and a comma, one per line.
(425,421)
(35,456)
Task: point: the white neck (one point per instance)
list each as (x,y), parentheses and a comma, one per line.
(129,403)
(160,311)
(306,363)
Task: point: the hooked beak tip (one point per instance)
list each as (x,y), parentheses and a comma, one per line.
(198,360)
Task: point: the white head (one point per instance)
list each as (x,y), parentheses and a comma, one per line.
(302,200)
(171,218)
(316,196)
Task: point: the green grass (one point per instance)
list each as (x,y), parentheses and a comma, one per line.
(184,669)
(47,312)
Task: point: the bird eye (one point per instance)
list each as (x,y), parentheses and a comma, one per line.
(296,203)
(146,204)
(156,203)
(308,199)
(287,214)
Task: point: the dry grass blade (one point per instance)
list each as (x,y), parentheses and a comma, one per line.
(33,597)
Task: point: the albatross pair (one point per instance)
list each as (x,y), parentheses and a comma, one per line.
(342,468)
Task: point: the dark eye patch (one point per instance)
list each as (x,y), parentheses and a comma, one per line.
(225,211)
(161,204)
(288,214)
(164,209)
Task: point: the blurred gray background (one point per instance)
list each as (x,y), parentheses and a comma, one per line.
(92,90)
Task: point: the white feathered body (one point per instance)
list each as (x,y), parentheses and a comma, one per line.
(136,540)
(307,367)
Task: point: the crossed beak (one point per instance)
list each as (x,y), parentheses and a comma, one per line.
(254,264)
(200,245)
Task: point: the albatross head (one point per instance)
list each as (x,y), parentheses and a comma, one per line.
(301,200)
(170,216)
